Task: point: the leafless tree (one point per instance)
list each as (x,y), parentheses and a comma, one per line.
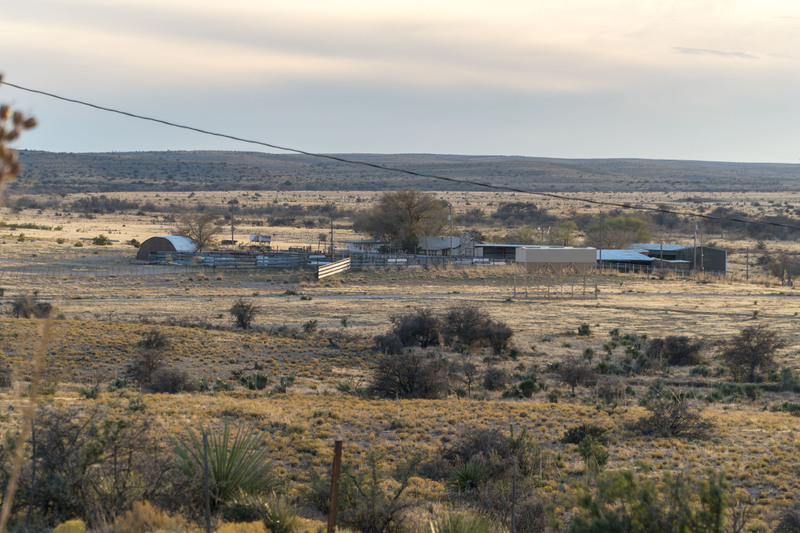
(403,217)
(244,312)
(574,371)
(200,226)
(752,351)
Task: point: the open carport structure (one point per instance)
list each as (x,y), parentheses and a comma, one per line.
(550,270)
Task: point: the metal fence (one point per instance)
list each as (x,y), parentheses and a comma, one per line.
(166,263)
(243,260)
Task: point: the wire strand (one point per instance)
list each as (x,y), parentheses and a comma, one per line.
(402,170)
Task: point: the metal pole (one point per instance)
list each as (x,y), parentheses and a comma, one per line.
(694,247)
(450,218)
(334,501)
(332,248)
(747,265)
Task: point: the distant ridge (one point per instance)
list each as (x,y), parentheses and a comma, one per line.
(220,170)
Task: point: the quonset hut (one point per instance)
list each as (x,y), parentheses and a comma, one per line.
(170,243)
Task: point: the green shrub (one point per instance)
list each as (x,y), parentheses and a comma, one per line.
(101,240)
(623,501)
(468,476)
(594,454)
(576,435)
(675,350)
(28,307)
(411,375)
(468,326)
(673,417)
(276,512)
(171,380)
(701,370)
(495,378)
(787,407)
(420,328)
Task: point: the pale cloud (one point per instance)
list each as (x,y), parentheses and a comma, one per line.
(595,64)
(720,53)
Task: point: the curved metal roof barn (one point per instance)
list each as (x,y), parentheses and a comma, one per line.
(169,243)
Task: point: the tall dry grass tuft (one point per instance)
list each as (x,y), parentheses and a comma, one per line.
(12,124)
(26,423)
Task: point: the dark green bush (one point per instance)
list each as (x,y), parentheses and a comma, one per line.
(575,435)
(420,328)
(495,378)
(411,375)
(675,350)
(468,326)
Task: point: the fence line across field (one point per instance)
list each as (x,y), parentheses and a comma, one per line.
(173,263)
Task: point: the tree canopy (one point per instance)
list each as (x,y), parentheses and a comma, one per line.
(403,217)
(617,232)
(200,226)
(752,350)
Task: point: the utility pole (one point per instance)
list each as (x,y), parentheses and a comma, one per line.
(600,261)
(747,265)
(233,243)
(450,218)
(332,248)
(694,247)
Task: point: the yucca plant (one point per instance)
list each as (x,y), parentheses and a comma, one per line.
(237,464)
(469,475)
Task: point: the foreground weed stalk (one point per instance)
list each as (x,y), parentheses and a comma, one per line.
(26,423)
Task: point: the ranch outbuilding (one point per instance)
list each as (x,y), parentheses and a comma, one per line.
(169,243)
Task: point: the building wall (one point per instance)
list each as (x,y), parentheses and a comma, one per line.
(708,259)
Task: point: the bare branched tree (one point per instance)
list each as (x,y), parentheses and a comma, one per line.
(752,351)
(574,371)
(200,226)
(403,217)
(244,312)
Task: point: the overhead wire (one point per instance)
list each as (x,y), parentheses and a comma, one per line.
(407,172)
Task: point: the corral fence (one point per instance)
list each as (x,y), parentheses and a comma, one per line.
(55,270)
(168,263)
(358,262)
(171,263)
(332,269)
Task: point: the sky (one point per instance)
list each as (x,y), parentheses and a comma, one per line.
(711,80)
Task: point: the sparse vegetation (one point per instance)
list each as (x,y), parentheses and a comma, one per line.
(752,352)
(244,312)
(28,306)
(304,376)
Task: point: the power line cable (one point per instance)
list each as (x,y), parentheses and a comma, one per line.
(401,170)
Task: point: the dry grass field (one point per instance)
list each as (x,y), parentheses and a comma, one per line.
(319,333)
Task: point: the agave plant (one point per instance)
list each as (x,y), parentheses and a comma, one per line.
(237,464)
